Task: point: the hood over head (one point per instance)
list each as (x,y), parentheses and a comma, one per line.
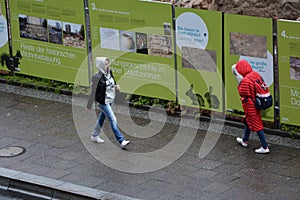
(237,75)
(243,67)
(100,64)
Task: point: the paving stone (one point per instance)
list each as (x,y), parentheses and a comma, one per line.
(294,196)
(216,188)
(209,164)
(119,188)
(243,194)
(81,179)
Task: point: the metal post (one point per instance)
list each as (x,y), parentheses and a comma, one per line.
(174,53)
(88,40)
(276,77)
(11,60)
(223,66)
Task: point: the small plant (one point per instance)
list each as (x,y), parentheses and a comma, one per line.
(79,90)
(35,82)
(173,108)
(291,129)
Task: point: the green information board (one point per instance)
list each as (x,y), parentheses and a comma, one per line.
(137,36)
(4,51)
(50,35)
(199,58)
(289,70)
(248,38)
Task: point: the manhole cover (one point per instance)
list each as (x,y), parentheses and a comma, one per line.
(11,151)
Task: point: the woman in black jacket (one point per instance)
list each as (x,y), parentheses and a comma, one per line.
(103,92)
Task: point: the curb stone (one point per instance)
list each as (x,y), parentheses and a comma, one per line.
(37,187)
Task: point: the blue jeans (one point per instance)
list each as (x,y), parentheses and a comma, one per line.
(260,133)
(106,111)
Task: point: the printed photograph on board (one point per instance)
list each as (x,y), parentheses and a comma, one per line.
(33,28)
(109,38)
(55,31)
(295,68)
(199,59)
(127,41)
(73,35)
(160,45)
(141,43)
(3,28)
(248,45)
(167,28)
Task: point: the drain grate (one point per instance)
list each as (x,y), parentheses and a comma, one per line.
(11,151)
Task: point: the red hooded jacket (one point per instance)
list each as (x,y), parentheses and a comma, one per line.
(246,91)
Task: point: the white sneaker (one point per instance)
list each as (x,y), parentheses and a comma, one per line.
(97,139)
(262,150)
(124,143)
(240,140)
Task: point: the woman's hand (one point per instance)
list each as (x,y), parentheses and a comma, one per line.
(117,87)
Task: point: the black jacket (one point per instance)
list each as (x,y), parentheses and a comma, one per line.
(98,89)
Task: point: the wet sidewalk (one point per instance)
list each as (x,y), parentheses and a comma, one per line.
(168,158)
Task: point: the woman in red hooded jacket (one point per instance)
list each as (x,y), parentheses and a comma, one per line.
(253,122)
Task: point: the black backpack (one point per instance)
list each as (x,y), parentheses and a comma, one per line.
(263,98)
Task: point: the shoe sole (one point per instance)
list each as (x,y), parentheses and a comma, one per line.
(97,141)
(262,152)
